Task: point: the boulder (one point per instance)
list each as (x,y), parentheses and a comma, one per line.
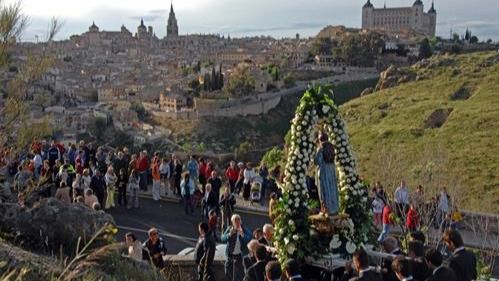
(437,118)
(393,76)
(366,91)
(463,93)
(52,225)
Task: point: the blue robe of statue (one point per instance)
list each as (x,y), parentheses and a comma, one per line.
(326,183)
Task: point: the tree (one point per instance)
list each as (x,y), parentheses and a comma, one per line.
(241,83)
(425,49)
(96,128)
(473,39)
(321,45)
(17,127)
(273,157)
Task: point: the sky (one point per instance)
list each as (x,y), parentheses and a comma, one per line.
(239,18)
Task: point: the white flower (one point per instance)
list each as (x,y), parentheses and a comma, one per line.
(298,128)
(295,237)
(297,204)
(291,222)
(291,248)
(286,240)
(325,109)
(281,231)
(350,247)
(335,242)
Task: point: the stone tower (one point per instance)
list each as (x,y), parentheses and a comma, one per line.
(417,17)
(432,13)
(172,27)
(367,15)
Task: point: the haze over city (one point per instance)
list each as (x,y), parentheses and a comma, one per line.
(239,18)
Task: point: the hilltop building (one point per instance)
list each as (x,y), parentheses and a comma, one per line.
(402,19)
(172,27)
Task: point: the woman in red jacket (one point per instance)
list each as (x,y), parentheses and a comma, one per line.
(232,174)
(412,220)
(387,223)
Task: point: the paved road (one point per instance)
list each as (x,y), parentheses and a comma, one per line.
(179,230)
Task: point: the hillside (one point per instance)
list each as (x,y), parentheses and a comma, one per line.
(439,126)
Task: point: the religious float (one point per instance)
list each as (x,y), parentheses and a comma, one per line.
(323,237)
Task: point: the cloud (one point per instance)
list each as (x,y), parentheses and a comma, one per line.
(147,18)
(158,11)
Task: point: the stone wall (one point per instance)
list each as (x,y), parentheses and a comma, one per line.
(185,268)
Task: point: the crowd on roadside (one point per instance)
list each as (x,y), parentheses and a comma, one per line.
(95,175)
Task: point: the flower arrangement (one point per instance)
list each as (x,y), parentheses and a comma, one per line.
(294,236)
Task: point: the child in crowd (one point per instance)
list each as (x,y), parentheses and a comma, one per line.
(377,207)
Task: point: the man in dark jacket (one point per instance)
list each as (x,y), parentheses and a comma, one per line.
(120,163)
(204,254)
(434,260)
(53,154)
(292,269)
(250,258)
(461,261)
(257,271)
(390,246)
(361,265)
(216,184)
(210,202)
(420,270)
(98,186)
(156,248)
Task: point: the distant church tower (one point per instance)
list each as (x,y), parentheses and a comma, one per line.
(172,27)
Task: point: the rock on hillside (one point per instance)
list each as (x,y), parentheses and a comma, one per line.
(393,76)
(51,224)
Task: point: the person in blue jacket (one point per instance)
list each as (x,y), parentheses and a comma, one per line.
(237,237)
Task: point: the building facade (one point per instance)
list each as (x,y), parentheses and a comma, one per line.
(398,20)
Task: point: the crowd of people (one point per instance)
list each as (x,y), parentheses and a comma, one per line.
(95,175)
(410,209)
(99,174)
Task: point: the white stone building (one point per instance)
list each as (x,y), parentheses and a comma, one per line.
(398,20)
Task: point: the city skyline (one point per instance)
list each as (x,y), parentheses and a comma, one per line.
(238,18)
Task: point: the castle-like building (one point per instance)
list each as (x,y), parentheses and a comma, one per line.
(398,20)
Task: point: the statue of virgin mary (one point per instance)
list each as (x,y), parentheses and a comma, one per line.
(326,176)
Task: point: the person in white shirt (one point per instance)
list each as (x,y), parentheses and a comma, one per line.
(443,206)
(401,199)
(377,207)
(135,248)
(38,163)
(249,174)
(86,179)
(164,171)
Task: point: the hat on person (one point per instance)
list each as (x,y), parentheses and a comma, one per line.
(240,164)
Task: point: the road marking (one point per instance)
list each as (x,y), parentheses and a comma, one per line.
(186,240)
(238,208)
